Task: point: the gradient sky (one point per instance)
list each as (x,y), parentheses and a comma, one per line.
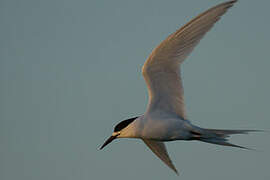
(71,70)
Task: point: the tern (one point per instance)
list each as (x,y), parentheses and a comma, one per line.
(165,118)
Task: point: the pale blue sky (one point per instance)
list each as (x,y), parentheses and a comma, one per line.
(71,70)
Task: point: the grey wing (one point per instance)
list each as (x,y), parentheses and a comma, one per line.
(161,71)
(160,150)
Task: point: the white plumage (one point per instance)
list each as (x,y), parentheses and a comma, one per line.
(165,118)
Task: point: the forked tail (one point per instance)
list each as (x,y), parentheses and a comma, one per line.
(219,136)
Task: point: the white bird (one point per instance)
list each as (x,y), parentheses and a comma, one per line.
(165,118)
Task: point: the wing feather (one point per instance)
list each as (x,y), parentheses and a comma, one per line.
(161,71)
(159,149)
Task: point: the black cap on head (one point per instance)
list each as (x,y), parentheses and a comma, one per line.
(117,128)
(123,124)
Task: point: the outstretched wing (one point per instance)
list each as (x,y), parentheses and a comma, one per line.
(161,70)
(160,150)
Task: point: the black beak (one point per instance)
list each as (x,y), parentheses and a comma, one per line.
(108,141)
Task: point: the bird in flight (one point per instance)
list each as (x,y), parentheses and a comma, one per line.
(165,118)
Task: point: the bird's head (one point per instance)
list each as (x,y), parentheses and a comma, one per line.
(118,130)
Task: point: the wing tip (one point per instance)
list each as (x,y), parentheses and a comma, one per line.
(176,172)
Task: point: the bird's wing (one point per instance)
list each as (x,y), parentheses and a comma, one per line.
(161,70)
(160,150)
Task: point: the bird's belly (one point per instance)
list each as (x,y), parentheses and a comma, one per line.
(165,130)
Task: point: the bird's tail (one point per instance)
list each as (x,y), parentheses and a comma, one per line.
(219,136)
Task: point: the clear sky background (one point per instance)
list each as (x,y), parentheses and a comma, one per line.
(71,70)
